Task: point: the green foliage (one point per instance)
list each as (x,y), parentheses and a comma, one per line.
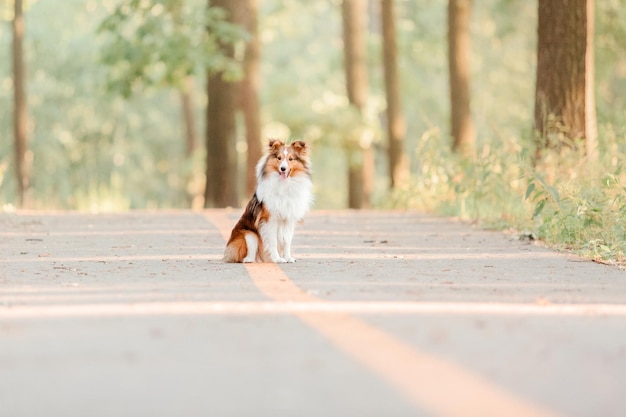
(610,60)
(584,213)
(161,42)
(570,205)
(90,150)
(487,189)
(302,67)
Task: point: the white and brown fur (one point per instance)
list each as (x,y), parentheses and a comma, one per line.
(283,196)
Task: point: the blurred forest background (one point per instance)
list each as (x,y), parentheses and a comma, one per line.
(116,107)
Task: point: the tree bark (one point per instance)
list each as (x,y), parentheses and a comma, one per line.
(250,93)
(221,162)
(591,126)
(396,125)
(19,106)
(360,161)
(189,120)
(564,103)
(462,127)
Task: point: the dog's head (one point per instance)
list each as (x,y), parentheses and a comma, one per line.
(287,160)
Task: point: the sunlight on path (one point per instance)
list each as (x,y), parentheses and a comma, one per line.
(289,307)
(427,380)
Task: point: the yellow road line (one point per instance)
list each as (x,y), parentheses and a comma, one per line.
(428,381)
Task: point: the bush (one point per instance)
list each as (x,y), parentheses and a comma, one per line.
(564,201)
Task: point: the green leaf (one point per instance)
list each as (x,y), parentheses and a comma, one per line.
(529,190)
(539,208)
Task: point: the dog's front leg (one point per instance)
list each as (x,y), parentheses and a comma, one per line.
(285,236)
(269,235)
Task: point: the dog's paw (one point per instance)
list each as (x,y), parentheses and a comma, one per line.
(247,260)
(279,260)
(289,259)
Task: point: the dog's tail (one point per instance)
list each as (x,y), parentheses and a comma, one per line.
(234,253)
(244,246)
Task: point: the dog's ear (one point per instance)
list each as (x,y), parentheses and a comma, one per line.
(274,144)
(300,147)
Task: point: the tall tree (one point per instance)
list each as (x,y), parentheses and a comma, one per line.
(250,92)
(360,161)
(181,41)
(221,163)
(564,95)
(189,120)
(396,125)
(462,127)
(19,106)
(591,124)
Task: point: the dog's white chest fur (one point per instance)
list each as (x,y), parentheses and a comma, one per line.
(289,199)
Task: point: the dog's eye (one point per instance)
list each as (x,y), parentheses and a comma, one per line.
(280,158)
(290,159)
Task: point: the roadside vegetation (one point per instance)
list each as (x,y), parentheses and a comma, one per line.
(570,205)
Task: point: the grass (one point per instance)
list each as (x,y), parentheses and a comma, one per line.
(563,201)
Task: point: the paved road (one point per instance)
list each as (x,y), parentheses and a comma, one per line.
(384,314)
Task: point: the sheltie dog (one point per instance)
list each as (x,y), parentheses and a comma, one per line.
(282,197)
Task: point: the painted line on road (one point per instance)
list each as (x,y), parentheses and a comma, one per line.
(428,381)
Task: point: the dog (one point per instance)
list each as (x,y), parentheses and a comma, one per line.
(282,197)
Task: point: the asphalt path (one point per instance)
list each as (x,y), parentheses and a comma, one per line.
(383,314)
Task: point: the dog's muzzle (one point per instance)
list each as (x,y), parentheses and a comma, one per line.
(284,169)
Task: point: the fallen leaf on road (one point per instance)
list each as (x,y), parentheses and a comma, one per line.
(542,301)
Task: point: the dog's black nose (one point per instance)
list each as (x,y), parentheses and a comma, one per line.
(283,169)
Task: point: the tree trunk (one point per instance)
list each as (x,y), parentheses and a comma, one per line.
(221,162)
(19,107)
(396,125)
(250,93)
(360,161)
(564,104)
(189,122)
(591,126)
(193,197)
(462,127)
